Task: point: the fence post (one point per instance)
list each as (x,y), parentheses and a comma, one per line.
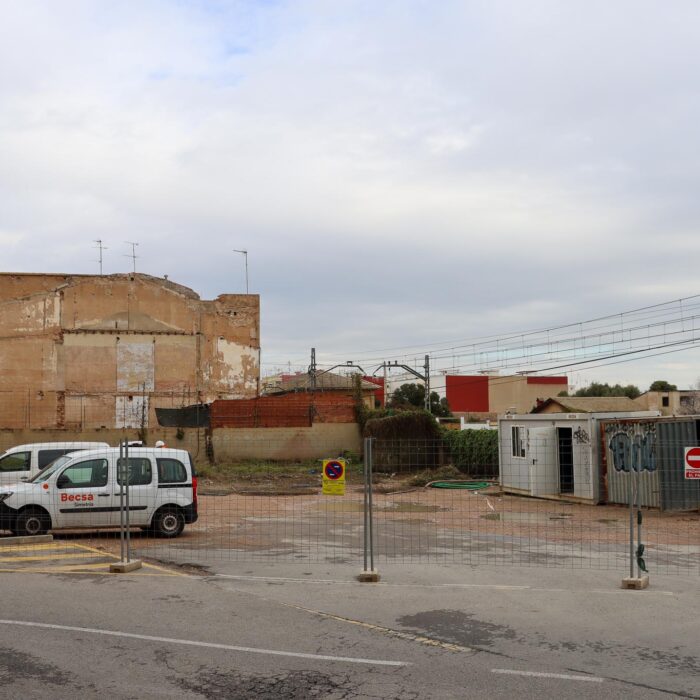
(634,582)
(120,481)
(126,563)
(368,574)
(125,480)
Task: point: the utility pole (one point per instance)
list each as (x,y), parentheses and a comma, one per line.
(385,388)
(312,369)
(426,367)
(133,255)
(424,377)
(100,247)
(245,254)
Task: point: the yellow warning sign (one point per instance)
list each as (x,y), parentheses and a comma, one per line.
(333,477)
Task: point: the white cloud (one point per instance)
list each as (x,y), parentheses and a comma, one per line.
(422,168)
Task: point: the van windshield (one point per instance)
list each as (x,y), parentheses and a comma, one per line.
(49,469)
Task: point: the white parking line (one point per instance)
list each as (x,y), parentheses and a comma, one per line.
(208,645)
(539,674)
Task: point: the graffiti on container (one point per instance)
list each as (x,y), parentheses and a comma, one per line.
(581,436)
(632,446)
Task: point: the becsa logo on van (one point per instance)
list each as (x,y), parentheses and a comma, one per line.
(77,497)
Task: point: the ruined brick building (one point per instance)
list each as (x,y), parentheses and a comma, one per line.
(89,351)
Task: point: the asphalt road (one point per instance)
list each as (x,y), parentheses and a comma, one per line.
(311,631)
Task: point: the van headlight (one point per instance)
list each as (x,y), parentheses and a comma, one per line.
(5,496)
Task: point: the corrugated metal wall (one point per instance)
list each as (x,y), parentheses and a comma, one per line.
(677,492)
(665,487)
(646,482)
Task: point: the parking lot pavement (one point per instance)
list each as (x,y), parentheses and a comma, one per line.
(531,620)
(61,557)
(211,637)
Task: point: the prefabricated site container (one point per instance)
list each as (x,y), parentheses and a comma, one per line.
(555,455)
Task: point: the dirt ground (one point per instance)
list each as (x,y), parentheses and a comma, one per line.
(416,524)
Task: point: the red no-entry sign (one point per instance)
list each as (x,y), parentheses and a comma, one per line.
(692,462)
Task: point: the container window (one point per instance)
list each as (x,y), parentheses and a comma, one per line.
(517,443)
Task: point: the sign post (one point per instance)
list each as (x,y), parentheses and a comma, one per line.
(692,463)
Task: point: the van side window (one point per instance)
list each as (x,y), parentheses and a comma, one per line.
(45,457)
(171,471)
(92,472)
(140,472)
(17,462)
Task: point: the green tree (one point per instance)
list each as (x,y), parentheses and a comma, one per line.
(662,385)
(598,389)
(412,396)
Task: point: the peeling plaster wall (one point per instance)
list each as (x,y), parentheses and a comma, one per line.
(89,340)
(236,367)
(135,367)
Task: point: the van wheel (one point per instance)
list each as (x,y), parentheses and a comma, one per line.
(168,523)
(31,523)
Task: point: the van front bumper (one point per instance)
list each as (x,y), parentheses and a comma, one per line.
(8,516)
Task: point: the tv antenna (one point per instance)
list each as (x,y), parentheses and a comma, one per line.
(245,255)
(133,255)
(100,246)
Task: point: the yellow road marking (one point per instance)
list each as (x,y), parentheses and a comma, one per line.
(32,547)
(103,552)
(114,556)
(57,551)
(50,557)
(140,572)
(68,567)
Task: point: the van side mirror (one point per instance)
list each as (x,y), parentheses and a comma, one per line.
(62,481)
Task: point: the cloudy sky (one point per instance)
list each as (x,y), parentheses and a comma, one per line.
(402,173)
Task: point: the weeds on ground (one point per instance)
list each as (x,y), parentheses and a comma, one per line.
(390,483)
(274,473)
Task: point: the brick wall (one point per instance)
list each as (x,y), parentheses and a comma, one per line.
(294,410)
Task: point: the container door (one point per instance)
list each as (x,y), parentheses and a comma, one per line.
(544,468)
(565,445)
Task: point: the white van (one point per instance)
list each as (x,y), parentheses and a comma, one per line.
(82,490)
(22,462)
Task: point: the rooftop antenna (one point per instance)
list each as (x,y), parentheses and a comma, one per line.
(100,247)
(133,255)
(244,252)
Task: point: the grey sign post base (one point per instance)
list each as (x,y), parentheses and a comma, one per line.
(368,577)
(126,563)
(123,567)
(635,583)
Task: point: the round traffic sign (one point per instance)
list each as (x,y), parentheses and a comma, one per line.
(692,458)
(333,470)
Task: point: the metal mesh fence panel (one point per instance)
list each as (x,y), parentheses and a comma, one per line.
(254,503)
(529,516)
(518,498)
